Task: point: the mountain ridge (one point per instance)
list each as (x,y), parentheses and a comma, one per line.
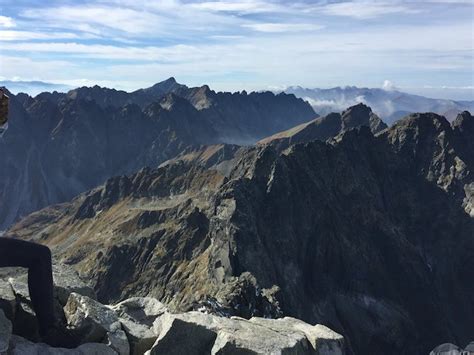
(376,270)
(60,145)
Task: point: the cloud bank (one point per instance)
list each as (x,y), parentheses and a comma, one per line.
(234,45)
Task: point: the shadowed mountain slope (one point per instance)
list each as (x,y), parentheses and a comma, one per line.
(60,145)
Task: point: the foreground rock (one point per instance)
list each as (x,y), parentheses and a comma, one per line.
(452,349)
(137,316)
(95,323)
(198,333)
(5,332)
(21,346)
(15,297)
(144,325)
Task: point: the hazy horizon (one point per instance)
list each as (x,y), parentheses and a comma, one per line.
(422,47)
(34,88)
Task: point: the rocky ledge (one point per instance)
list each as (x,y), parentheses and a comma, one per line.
(143,325)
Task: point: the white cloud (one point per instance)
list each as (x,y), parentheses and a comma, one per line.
(91,17)
(34,69)
(7,22)
(236,6)
(137,19)
(282,27)
(165,54)
(227,37)
(218,42)
(28,35)
(388,85)
(366,9)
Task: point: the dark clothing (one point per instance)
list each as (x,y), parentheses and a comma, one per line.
(37,259)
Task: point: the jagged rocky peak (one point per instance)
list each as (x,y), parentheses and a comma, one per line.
(164,87)
(464,122)
(172,101)
(361,115)
(202,97)
(326,127)
(425,120)
(420,129)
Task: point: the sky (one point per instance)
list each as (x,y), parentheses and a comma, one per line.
(425,47)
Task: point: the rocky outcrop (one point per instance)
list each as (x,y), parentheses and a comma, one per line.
(137,316)
(216,335)
(329,126)
(452,349)
(144,325)
(22,346)
(367,234)
(442,153)
(95,323)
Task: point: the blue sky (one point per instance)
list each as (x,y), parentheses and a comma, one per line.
(418,46)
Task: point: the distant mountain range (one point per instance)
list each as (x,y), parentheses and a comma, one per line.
(390,105)
(61,144)
(33,87)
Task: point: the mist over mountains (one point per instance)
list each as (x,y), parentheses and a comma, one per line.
(389,104)
(33,87)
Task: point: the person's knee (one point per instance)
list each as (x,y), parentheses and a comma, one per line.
(44,252)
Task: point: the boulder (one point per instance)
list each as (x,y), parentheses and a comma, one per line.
(199,333)
(190,333)
(66,281)
(21,346)
(15,297)
(7,299)
(95,322)
(323,340)
(446,349)
(137,316)
(248,338)
(24,323)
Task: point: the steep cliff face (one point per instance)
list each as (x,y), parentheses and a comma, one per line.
(369,235)
(442,153)
(60,145)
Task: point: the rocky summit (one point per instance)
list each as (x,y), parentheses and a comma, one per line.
(143,325)
(323,128)
(370,235)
